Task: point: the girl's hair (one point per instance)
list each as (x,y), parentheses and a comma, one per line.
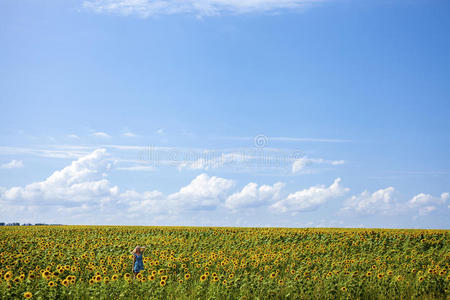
(135,249)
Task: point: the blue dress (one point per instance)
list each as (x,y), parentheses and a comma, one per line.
(138,264)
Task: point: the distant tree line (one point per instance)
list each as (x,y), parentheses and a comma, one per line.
(26,224)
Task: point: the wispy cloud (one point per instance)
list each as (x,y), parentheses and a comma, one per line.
(14,164)
(63,152)
(137,168)
(303,162)
(146,8)
(214,162)
(101,135)
(269,139)
(129,134)
(160,131)
(315,140)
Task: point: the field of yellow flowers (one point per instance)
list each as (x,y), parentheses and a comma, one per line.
(52,262)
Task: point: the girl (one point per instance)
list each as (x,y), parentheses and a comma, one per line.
(138,264)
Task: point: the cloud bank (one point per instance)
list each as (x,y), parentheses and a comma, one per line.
(82,191)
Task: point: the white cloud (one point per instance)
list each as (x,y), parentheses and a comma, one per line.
(421,199)
(381,201)
(73,136)
(384,202)
(68,152)
(147,202)
(14,164)
(426,203)
(445,196)
(213,162)
(129,134)
(160,131)
(101,135)
(303,162)
(426,210)
(82,181)
(203,192)
(252,196)
(311,198)
(137,168)
(81,193)
(146,8)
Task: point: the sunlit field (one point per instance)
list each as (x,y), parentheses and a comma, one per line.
(223,263)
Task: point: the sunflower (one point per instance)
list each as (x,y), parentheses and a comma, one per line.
(273,275)
(28,295)
(421,279)
(203,277)
(162,283)
(180,281)
(151,277)
(187,276)
(114,277)
(344,289)
(280,282)
(65,282)
(8,276)
(368,273)
(52,284)
(380,276)
(127,276)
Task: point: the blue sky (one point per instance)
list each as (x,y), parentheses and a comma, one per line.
(225,113)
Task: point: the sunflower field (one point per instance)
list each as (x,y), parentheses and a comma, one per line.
(72,262)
